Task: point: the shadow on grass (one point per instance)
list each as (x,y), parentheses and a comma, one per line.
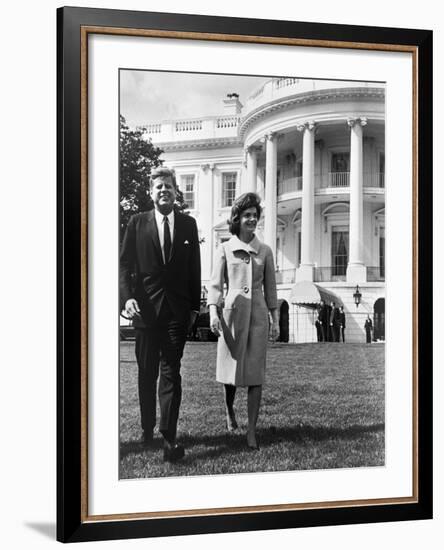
(219,445)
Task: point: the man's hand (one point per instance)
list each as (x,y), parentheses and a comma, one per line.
(215,326)
(192,320)
(132,309)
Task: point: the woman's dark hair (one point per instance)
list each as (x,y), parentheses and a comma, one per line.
(242,203)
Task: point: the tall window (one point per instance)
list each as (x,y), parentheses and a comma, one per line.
(381,169)
(382,252)
(187,187)
(298,169)
(340,169)
(340,162)
(228,188)
(339,252)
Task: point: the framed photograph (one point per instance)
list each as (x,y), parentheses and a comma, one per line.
(244,274)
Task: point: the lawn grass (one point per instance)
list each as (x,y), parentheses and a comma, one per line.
(322,408)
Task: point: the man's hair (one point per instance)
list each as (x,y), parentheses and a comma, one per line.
(242,203)
(165,172)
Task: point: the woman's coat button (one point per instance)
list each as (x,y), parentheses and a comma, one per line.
(246,289)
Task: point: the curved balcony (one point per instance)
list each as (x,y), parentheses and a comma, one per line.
(283,93)
(331,180)
(277,88)
(329,274)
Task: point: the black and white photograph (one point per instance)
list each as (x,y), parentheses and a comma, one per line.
(187,383)
(252,274)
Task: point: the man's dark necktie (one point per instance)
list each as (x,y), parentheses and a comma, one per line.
(166,239)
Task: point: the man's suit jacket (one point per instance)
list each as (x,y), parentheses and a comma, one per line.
(334,316)
(323,314)
(144,275)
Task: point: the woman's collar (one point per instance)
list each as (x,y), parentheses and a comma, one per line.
(236,244)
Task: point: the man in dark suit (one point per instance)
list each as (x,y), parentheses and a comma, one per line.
(334,322)
(323,319)
(341,324)
(368,326)
(160,289)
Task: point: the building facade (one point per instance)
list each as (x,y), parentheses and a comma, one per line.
(315,153)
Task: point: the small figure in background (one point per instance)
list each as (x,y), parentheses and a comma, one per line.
(334,322)
(341,324)
(318,329)
(323,320)
(368,325)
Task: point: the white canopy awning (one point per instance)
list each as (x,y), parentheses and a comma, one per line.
(309,294)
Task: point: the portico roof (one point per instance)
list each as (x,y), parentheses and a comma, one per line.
(308,294)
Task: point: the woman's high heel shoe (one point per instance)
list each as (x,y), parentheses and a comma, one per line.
(231,423)
(252,444)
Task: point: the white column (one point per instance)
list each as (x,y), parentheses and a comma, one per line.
(356,271)
(251,154)
(270,191)
(209,168)
(305,271)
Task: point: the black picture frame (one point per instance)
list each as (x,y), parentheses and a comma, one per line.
(73,522)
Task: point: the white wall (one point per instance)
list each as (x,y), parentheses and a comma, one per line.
(28,333)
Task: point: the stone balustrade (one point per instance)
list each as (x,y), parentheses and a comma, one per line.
(330,180)
(195,128)
(277,88)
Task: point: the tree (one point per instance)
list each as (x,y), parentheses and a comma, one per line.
(138,157)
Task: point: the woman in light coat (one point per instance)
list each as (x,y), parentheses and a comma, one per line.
(249,312)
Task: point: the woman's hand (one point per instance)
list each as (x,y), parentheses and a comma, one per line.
(274,330)
(215,326)
(274,325)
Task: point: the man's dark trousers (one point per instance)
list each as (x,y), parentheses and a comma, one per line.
(166,293)
(160,347)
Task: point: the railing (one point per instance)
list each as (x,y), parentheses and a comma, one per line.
(225,126)
(327,274)
(257,93)
(290,185)
(286,276)
(375,273)
(375,179)
(153,128)
(285,82)
(188,125)
(277,88)
(227,122)
(342,179)
(338,179)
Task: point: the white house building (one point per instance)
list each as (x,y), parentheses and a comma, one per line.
(315,152)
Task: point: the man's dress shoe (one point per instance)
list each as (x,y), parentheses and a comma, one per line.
(147,438)
(173,453)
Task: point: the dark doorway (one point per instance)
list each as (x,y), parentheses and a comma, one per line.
(379,317)
(284,322)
